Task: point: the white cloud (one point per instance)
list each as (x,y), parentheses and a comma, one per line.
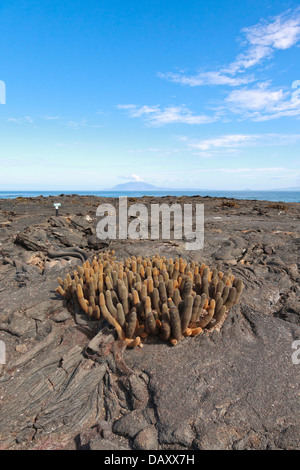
(157,116)
(265,38)
(262,103)
(80,124)
(62,121)
(249,59)
(224,142)
(260,42)
(253,170)
(21,120)
(205,78)
(281,33)
(259,102)
(76,124)
(132,177)
(232,144)
(254,98)
(52,118)
(136,177)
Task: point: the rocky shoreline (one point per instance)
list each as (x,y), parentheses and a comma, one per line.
(67,384)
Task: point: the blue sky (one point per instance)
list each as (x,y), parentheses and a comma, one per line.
(175,93)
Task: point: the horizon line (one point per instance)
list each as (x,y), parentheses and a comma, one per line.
(296,188)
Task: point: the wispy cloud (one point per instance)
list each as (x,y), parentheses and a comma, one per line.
(222,142)
(260,42)
(154,152)
(80,124)
(157,116)
(232,143)
(205,78)
(265,38)
(132,177)
(52,118)
(254,171)
(262,103)
(21,120)
(70,124)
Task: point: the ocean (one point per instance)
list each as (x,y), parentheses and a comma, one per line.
(283,196)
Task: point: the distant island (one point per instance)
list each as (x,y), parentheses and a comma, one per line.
(141,186)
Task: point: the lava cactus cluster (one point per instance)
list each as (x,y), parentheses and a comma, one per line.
(145,296)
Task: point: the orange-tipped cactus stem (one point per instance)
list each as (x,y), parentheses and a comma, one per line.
(60,291)
(132,343)
(187,313)
(97,314)
(187,332)
(124,299)
(238,283)
(170,288)
(219,305)
(151,326)
(143,293)
(120,315)
(205,272)
(83,303)
(109,318)
(162,292)
(173,341)
(175,323)
(69,280)
(131,324)
(205,320)
(135,297)
(147,306)
(196,331)
(87,273)
(142,271)
(108,283)
(186,289)
(219,318)
(231,298)
(176,297)
(165,328)
(112,309)
(205,286)
(155,299)
(195,309)
(225,293)
(150,285)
